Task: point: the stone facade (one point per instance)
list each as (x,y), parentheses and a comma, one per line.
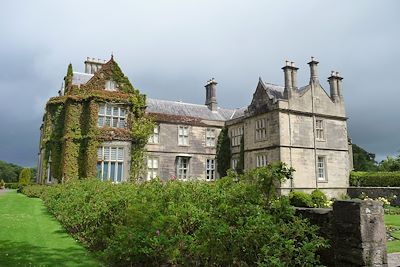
(302,126)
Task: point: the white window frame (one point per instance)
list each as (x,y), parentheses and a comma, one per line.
(183,135)
(182,168)
(105,159)
(236,136)
(260,129)
(319,129)
(321,168)
(210,169)
(210,137)
(155,137)
(153,164)
(110,85)
(261,160)
(116,115)
(234,163)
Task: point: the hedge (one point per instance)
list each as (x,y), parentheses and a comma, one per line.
(378,179)
(230,222)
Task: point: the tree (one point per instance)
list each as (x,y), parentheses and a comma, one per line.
(223,152)
(9,172)
(240,165)
(390,164)
(363,160)
(24,177)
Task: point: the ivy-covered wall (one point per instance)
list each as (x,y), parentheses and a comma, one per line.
(71,134)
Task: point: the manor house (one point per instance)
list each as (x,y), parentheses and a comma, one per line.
(303,126)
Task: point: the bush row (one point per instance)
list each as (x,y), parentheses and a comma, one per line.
(383,179)
(11,185)
(317,199)
(233,221)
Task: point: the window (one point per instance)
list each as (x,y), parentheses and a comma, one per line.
(210,169)
(111,116)
(234,163)
(210,137)
(152,168)
(261,160)
(319,129)
(182,168)
(110,163)
(183,135)
(261,130)
(321,169)
(155,137)
(111,86)
(236,136)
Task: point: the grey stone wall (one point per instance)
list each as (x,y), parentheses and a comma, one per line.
(375,192)
(356,231)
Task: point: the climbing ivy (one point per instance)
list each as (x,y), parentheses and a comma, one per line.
(223,152)
(71,135)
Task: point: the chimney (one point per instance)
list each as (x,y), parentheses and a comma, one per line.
(339,85)
(333,86)
(313,70)
(290,73)
(211,94)
(92,65)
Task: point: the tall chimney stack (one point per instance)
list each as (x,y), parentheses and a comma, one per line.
(313,70)
(290,74)
(92,65)
(339,85)
(211,94)
(333,86)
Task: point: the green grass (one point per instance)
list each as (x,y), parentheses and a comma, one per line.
(30,236)
(394,222)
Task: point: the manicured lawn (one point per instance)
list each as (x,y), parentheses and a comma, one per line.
(393,221)
(30,236)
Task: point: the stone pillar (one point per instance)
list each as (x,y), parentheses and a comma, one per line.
(359,233)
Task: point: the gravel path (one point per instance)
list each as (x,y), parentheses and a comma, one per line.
(2,191)
(393,259)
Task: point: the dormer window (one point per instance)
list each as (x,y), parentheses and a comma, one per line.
(111,85)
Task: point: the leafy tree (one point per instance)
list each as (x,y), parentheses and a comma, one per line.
(223,152)
(390,164)
(363,160)
(25,177)
(9,172)
(240,165)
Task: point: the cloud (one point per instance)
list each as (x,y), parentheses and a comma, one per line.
(170,48)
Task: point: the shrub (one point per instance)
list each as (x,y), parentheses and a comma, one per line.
(319,199)
(300,199)
(2,184)
(233,221)
(11,185)
(33,190)
(24,177)
(384,179)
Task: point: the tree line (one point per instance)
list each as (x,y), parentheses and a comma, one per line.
(10,172)
(365,161)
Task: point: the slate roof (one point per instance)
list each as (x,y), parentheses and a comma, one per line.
(273,90)
(79,78)
(189,110)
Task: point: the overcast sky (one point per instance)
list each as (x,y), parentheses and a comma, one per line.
(169,49)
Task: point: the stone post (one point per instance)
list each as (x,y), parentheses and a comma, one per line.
(359,233)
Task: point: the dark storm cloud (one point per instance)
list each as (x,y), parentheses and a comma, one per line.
(170,48)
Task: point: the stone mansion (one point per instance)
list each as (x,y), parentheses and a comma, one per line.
(303,126)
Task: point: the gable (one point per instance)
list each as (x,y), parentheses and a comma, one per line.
(110,77)
(261,101)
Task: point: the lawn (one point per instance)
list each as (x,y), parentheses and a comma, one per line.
(393,222)
(30,236)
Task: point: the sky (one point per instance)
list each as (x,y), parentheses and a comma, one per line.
(169,49)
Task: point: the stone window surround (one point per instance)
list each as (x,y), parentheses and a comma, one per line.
(236,135)
(234,163)
(119,117)
(210,169)
(321,169)
(260,130)
(183,136)
(210,137)
(153,164)
(118,161)
(155,137)
(110,86)
(261,160)
(182,167)
(319,129)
